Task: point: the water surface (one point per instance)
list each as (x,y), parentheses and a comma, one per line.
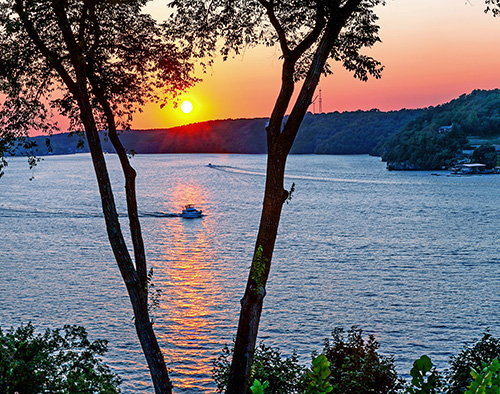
(409,257)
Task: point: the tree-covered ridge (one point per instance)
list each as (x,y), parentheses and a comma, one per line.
(421,145)
(408,138)
(356,132)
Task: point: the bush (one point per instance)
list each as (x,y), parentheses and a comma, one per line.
(487,380)
(285,375)
(64,363)
(471,357)
(356,366)
(425,378)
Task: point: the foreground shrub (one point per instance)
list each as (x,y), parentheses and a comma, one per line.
(472,357)
(486,381)
(356,367)
(284,374)
(354,364)
(425,378)
(55,362)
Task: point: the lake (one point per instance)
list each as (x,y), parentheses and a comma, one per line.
(411,258)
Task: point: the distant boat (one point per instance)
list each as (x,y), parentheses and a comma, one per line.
(190,212)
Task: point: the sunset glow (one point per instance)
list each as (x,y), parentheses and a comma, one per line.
(432,52)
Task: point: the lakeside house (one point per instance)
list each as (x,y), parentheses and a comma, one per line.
(445,129)
(471,168)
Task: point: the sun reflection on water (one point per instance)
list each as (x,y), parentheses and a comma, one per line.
(186,273)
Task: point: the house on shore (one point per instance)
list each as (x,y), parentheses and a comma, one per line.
(445,129)
(471,168)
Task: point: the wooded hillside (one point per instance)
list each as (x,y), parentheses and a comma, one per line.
(421,145)
(333,133)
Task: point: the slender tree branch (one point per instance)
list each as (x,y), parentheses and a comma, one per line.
(320,58)
(76,57)
(269,6)
(313,35)
(96,29)
(124,261)
(349,8)
(284,97)
(130,189)
(53,59)
(83,21)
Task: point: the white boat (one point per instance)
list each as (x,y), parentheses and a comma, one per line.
(190,212)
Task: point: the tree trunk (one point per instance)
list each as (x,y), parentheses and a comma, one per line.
(136,288)
(280,141)
(251,304)
(149,343)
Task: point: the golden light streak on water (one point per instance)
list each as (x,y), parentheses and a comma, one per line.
(186,269)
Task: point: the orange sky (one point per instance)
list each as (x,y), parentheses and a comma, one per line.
(433,51)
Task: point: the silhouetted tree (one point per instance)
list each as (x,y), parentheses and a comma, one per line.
(309,33)
(106,57)
(493,6)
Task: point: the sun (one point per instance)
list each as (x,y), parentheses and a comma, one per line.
(186,107)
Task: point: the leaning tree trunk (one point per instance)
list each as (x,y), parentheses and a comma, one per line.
(138,292)
(135,277)
(251,304)
(137,288)
(280,140)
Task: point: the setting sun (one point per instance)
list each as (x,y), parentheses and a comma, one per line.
(186,107)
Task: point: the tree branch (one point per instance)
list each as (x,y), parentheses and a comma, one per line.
(53,59)
(349,8)
(269,6)
(74,49)
(130,189)
(320,58)
(313,35)
(83,21)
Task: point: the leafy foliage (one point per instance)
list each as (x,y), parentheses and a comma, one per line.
(64,362)
(259,388)
(240,24)
(283,374)
(493,6)
(486,381)
(128,59)
(348,364)
(356,366)
(319,376)
(470,358)
(419,384)
(420,146)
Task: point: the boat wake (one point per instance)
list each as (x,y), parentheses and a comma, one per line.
(237,170)
(7,212)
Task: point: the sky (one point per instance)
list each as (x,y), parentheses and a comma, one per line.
(432,50)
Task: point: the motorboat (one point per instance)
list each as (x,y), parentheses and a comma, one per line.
(190,212)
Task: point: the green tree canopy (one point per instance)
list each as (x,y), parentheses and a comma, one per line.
(421,145)
(485,154)
(64,362)
(127,57)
